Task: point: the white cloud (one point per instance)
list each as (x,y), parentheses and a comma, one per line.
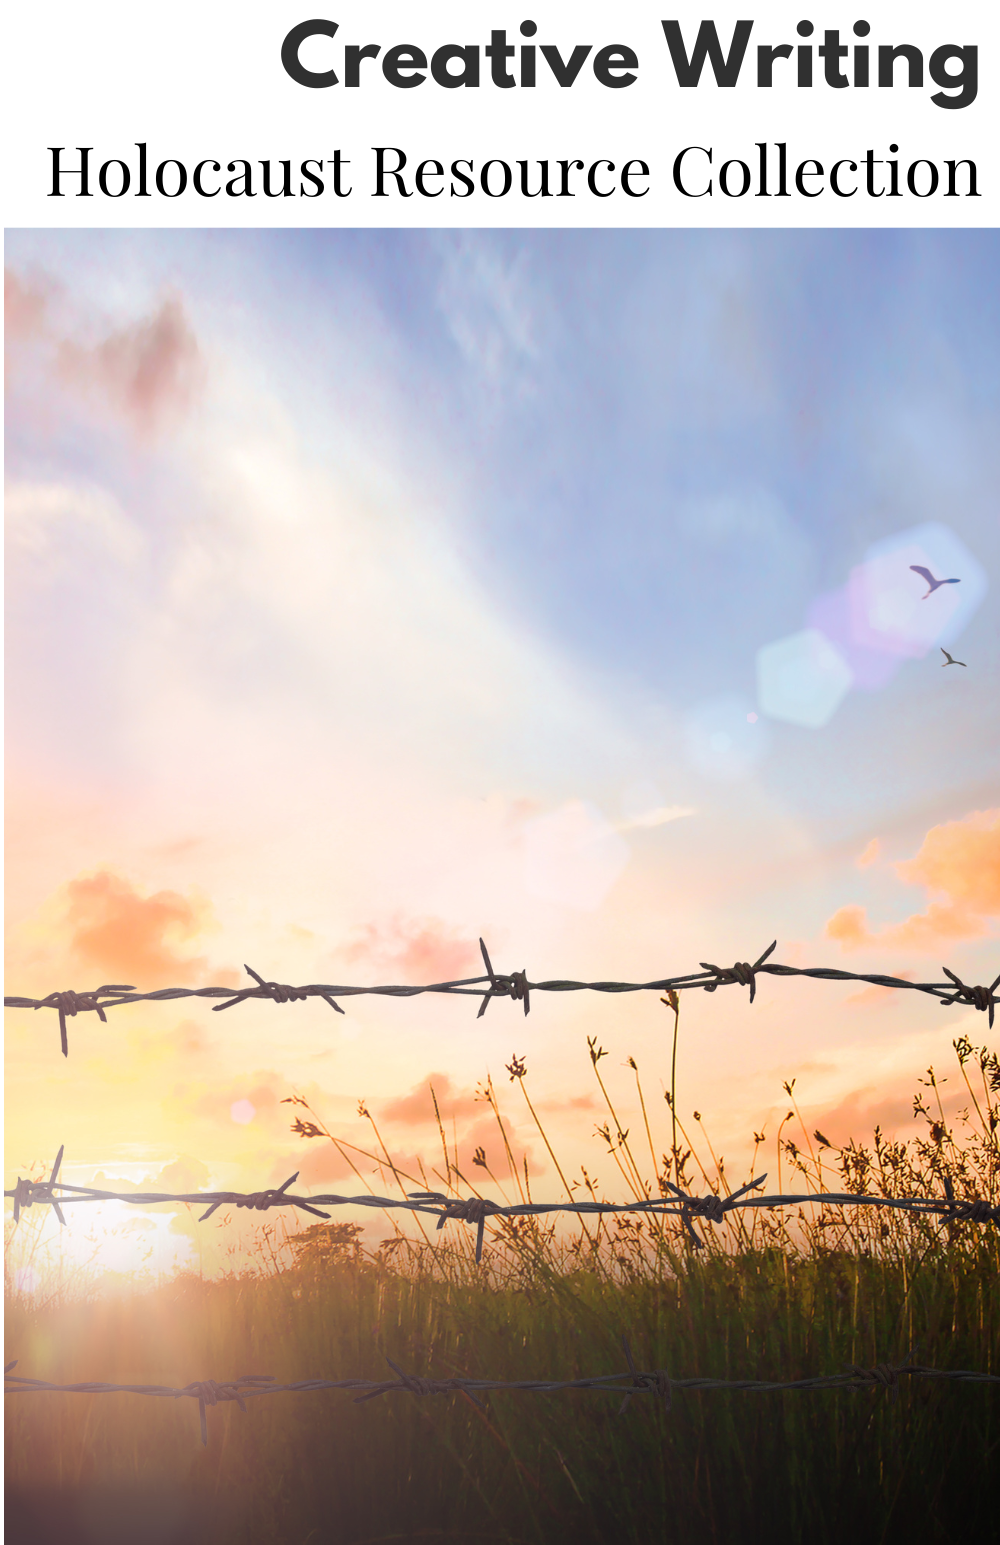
(658,815)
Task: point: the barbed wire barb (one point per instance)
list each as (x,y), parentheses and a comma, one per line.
(742,972)
(658,1382)
(27,1192)
(977,997)
(711,1207)
(276,992)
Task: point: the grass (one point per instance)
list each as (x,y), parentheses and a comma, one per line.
(770,1295)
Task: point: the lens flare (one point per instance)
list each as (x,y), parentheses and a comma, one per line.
(802,679)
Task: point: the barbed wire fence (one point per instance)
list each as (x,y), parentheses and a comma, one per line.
(657,1382)
(476,1210)
(495,984)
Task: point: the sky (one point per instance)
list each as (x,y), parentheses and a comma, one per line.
(372,592)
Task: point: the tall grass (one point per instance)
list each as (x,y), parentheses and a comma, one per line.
(766,1295)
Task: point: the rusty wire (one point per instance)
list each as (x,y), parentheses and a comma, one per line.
(210,1392)
(494,984)
(476,1209)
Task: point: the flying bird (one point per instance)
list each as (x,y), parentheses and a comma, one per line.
(935,584)
(948,660)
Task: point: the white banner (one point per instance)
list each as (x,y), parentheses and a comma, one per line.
(303,112)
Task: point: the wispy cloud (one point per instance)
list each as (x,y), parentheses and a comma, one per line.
(486,297)
(660,815)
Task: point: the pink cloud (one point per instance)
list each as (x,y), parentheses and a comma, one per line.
(25,303)
(417,949)
(585,1102)
(146,372)
(484,1134)
(417,1109)
(149,370)
(858,1114)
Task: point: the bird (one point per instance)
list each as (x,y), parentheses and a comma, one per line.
(935,584)
(948,660)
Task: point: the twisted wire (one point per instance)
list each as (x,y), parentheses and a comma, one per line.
(657,1382)
(475,1210)
(514,985)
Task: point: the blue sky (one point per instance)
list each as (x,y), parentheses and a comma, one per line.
(666,443)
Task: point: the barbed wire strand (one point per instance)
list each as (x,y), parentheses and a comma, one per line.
(494,984)
(211,1392)
(476,1210)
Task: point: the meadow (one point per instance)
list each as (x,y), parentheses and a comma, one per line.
(770,1294)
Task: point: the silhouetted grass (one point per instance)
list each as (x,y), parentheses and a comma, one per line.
(767,1297)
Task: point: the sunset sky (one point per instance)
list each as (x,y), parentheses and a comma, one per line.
(368,592)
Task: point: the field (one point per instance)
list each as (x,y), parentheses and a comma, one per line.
(773,1295)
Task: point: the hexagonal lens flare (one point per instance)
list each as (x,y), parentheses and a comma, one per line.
(802,679)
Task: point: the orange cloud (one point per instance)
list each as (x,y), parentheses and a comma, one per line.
(959,860)
(418,1106)
(963,859)
(419,949)
(315,1164)
(870,855)
(849,926)
(127,937)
